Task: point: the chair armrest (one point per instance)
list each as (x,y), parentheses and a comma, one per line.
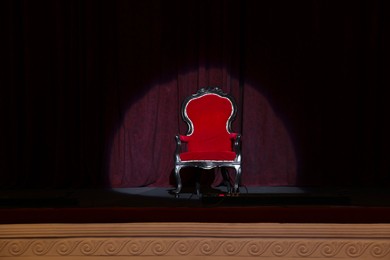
(237,144)
(233,135)
(179,139)
(183,138)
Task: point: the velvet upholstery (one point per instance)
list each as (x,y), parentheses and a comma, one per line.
(210,138)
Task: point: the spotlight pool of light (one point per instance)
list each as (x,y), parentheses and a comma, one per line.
(142,147)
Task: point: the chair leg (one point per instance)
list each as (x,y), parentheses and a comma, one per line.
(197,183)
(238,179)
(225,175)
(178,181)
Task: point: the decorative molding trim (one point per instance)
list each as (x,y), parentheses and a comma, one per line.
(189,240)
(303,248)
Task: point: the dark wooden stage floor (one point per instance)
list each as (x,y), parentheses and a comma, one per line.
(254,204)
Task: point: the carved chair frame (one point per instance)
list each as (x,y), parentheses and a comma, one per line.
(209,164)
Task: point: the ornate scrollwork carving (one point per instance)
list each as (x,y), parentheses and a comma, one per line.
(185,247)
(66,247)
(356,249)
(41,247)
(330,249)
(305,249)
(233,247)
(90,247)
(113,247)
(257,248)
(279,248)
(17,248)
(161,247)
(137,247)
(380,250)
(270,241)
(209,247)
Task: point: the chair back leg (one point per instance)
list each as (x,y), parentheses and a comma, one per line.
(197,182)
(238,179)
(226,179)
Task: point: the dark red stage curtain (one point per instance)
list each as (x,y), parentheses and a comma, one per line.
(91,90)
(198,44)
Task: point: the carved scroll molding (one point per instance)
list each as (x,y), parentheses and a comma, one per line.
(195,240)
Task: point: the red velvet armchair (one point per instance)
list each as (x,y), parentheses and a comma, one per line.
(210,140)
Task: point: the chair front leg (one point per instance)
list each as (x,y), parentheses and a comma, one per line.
(178,181)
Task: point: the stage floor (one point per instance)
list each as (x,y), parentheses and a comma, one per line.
(210,197)
(147,204)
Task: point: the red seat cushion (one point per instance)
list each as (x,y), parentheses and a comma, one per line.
(208,156)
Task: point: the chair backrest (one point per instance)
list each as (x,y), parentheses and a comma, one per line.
(209,114)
